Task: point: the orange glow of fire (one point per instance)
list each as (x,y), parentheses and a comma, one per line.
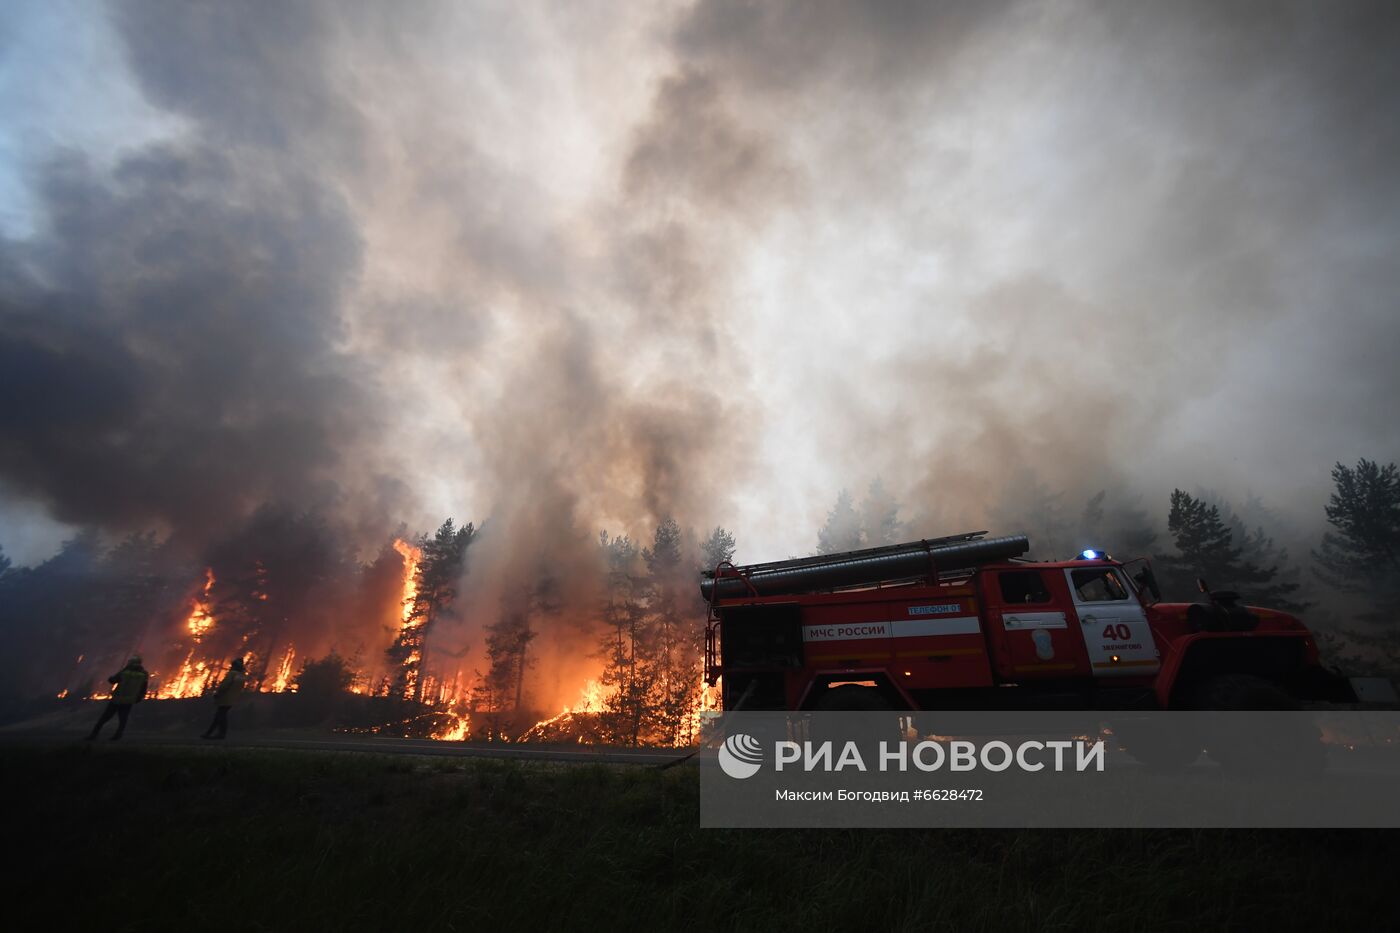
(282,681)
(194,678)
(456,730)
(707,703)
(592,699)
(411,555)
(445,697)
(201,619)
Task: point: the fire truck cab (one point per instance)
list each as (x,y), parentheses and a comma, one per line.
(963,622)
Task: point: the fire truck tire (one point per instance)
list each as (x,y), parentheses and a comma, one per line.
(1290,745)
(853,699)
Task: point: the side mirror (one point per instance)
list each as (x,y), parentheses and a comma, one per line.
(1148,580)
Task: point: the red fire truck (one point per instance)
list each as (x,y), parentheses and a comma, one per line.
(963,622)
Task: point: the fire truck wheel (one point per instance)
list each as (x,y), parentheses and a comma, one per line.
(850,698)
(1290,745)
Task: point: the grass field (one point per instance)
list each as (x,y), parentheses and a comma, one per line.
(194,839)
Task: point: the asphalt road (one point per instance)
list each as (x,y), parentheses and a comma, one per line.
(379,745)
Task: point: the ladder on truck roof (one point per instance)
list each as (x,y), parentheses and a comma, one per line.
(866,567)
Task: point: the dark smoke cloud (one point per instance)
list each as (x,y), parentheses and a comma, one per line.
(169,342)
(245,78)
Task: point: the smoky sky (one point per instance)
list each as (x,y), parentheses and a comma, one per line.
(563,268)
(167,349)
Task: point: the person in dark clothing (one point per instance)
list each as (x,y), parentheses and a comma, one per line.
(225,696)
(128,689)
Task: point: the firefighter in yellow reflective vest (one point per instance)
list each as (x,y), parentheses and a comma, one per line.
(225,695)
(128,689)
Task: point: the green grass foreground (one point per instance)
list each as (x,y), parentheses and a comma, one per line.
(211,839)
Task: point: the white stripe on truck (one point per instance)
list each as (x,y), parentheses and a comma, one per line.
(914,628)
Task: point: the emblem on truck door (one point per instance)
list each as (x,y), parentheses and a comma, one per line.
(1044,644)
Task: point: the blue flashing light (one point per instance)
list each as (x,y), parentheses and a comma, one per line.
(1089,554)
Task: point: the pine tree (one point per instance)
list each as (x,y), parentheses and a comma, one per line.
(716,549)
(879,516)
(1206,551)
(1266,579)
(842,529)
(1361,557)
(440,567)
(663,558)
(1278,588)
(507,648)
(49,615)
(624,641)
(1203,542)
(671,669)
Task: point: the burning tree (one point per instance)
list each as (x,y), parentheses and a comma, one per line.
(276,585)
(440,562)
(651,638)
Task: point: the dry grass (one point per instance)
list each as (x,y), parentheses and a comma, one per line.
(199,840)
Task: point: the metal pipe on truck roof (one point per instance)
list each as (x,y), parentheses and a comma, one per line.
(855,568)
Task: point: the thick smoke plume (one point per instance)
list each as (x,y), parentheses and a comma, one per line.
(558,270)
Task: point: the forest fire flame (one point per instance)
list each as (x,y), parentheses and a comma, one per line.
(456,730)
(592,699)
(411,555)
(201,619)
(707,703)
(448,702)
(192,680)
(195,676)
(282,681)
